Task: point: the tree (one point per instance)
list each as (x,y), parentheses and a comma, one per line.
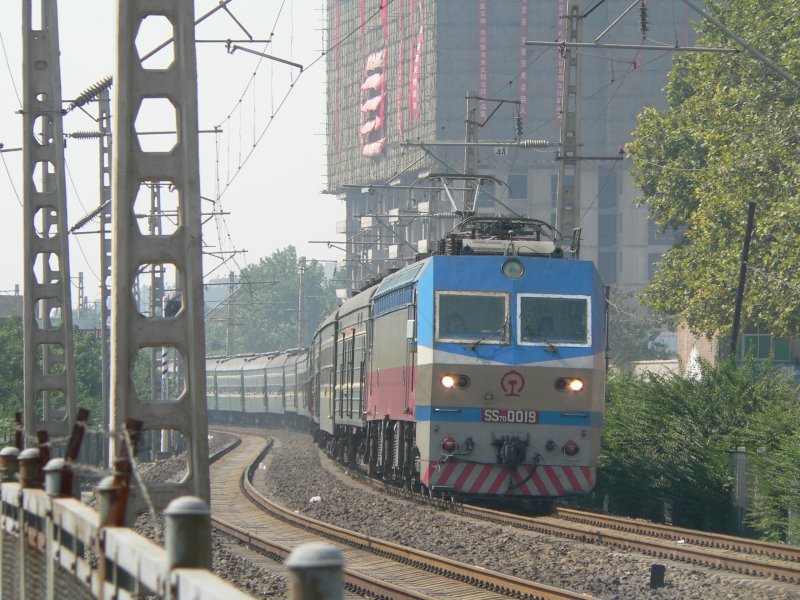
(88,366)
(728,136)
(266,305)
(632,335)
(89,373)
(666,442)
(11,378)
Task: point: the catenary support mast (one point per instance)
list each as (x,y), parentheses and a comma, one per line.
(49,397)
(181,334)
(569,170)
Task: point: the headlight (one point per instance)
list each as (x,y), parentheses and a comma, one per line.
(455,381)
(513,269)
(569,384)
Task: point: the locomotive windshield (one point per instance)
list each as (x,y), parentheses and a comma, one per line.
(470,316)
(560,320)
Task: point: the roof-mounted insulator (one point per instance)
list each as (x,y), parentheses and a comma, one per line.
(90,93)
(85,135)
(643,18)
(534,143)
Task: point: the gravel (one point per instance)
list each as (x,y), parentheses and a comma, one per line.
(231,560)
(299,479)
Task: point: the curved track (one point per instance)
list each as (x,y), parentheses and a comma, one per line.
(373,566)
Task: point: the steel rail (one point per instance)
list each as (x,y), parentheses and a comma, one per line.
(479,578)
(674,549)
(662,541)
(483,578)
(693,536)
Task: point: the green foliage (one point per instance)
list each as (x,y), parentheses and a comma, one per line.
(89,373)
(666,441)
(11,386)
(632,335)
(773,442)
(265,307)
(728,136)
(88,368)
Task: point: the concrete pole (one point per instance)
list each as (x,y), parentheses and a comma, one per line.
(470,152)
(104,123)
(175,85)
(569,170)
(46,250)
(230,323)
(301,305)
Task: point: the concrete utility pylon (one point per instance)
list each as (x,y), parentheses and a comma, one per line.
(569,170)
(167,91)
(49,397)
(104,123)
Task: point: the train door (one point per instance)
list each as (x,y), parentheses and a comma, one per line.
(410,361)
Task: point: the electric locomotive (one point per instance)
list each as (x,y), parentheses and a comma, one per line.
(493,354)
(477,372)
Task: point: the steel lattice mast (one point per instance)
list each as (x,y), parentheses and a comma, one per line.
(49,397)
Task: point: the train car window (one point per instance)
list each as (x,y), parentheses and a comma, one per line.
(554,320)
(472,316)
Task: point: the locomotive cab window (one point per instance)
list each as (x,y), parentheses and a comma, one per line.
(554,320)
(472,316)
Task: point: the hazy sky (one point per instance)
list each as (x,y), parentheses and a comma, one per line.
(271,190)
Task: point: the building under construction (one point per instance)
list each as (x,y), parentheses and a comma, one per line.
(442,106)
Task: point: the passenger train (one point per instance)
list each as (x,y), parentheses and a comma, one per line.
(476,372)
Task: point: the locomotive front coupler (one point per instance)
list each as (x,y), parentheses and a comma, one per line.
(511,449)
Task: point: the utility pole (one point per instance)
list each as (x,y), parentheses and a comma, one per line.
(301,305)
(737,311)
(569,170)
(470,153)
(47,305)
(81,292)
(175,87)
(158,385)
(230,322)
(104,123)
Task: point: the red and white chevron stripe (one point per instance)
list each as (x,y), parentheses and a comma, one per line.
(543,480)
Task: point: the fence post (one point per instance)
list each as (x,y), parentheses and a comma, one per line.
(9,463)
(738,463)
(30,475)
(188,533)
(315,572)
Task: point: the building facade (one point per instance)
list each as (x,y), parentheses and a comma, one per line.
(399,74)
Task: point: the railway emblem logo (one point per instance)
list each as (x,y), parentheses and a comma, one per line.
(512,383)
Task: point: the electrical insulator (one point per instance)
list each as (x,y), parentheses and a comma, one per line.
(643,18)
(518,126)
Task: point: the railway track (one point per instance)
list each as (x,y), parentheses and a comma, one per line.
(740,555)
(373,566)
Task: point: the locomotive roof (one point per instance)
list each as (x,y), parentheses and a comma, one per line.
(401,278)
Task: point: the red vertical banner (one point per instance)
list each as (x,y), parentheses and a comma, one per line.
(363,28)
(399,88)
(415,111)
(483,57)
(336,123)
(523,59)
(385,19)
(411,53)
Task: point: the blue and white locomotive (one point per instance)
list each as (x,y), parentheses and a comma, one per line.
(477,372)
